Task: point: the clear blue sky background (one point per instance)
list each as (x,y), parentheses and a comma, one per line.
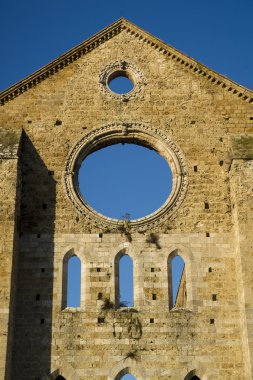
(217,33)
(124,179)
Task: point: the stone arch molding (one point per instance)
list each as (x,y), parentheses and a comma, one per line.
(128,366)
(121,68)
(136,133)
(202,372)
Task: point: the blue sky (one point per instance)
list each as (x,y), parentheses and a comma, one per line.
(218,33)
(124,179)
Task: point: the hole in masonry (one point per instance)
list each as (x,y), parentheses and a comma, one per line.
(120,83)
(206,206)
(121,179)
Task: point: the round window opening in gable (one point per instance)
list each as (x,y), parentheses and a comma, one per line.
(125,171)
(121,80)
(120,83)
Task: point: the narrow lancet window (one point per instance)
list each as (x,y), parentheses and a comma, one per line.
(124,291)
(191,376)
(176,281)
(125,375)
(128,376)
(74,282)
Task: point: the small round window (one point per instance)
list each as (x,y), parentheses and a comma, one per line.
(121,80)
(120,84)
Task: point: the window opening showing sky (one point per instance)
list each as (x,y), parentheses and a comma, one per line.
(128,376)
(121,85)
(126,281)
(177,267)
(127,178)
(74,282)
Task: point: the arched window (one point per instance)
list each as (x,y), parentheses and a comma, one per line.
(124,374)
(60,378)
(74,282)
(123,280)
(176,281)
(71,292)
(192,376)
(128,376)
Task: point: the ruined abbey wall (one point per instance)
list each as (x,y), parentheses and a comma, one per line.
(207,124)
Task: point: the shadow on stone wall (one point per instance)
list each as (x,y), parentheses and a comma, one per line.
(31,357)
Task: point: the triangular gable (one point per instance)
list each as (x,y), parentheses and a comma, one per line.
(108,33)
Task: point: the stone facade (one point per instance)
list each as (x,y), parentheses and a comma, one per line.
(202,123)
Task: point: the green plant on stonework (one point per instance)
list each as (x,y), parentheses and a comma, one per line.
(153,239)
(125,227)
(107,305)
(123,304)
(132,355)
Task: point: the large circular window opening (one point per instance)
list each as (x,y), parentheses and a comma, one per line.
(125,181)
(125,171)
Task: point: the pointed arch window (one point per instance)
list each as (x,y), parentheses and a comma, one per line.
(71,296)
(124,284)
(125,374)
(176,281)
(128,376)
(192,376)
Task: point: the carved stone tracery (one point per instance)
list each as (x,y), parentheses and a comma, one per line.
(129,133)
(121,68)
